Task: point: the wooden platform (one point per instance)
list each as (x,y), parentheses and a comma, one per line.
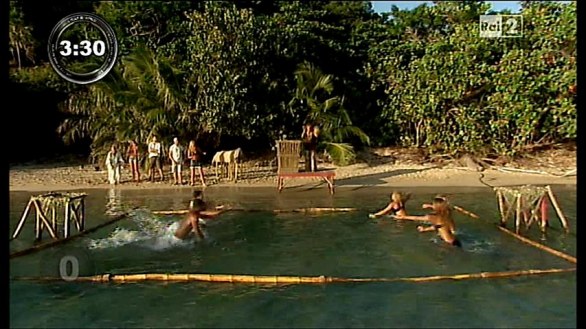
(328,176)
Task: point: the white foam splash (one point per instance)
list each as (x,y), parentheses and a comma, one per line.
(152,233)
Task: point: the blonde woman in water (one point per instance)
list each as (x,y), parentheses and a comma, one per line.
(396,205)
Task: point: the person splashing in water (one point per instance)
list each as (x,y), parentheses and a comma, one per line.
(396,205)
(441,221)
(191,223)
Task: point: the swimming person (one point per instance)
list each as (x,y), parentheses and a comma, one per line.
(191,222)
(441,221)
(207,214)
(196,197)
(396,206)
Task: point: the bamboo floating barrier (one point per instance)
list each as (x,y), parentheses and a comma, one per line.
(558,210)
(279,279)
(63,240)
(279,211)
(552,251)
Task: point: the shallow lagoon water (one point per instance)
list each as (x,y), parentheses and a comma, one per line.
(265,243)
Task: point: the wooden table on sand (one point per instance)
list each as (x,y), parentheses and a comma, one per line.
(326,175)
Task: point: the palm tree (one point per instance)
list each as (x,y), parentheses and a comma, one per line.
(141,99)
(314,93)
(20,36)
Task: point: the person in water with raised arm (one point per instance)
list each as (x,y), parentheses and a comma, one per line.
(193,221)
(396,205)
(441,221)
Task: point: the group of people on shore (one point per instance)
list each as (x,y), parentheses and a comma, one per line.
(440,218)
(177,156)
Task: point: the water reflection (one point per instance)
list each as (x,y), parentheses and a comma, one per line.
(114,202)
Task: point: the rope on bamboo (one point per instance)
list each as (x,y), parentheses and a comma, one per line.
(301,210)
(63,240)
(554,252)
(278,279)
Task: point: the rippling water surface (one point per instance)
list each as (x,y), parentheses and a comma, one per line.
(265,243)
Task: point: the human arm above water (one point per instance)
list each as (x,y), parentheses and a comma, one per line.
(383,212)
(208,214)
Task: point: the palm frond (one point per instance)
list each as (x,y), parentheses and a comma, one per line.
(342,154)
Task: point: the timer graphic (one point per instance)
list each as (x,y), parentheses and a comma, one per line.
(82,48)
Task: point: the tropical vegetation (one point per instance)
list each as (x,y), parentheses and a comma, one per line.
(247,73)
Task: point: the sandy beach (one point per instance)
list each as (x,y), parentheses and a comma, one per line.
(382,168)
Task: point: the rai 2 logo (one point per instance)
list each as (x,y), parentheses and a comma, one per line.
(501,26)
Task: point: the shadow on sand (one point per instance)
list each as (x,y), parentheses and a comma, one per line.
(360,182)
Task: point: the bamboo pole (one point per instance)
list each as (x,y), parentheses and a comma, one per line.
(66,239)
(500,198)
(45,221)
(22,220)
(38,224)
(74,217)
(518,214)
(66,221)
(558,209)
(82,215)
(302,210)
(466,212)
(53,218)
(544,219)
(554,252)
(510,207)
(278,279)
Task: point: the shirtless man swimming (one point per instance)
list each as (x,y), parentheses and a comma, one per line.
(194,219)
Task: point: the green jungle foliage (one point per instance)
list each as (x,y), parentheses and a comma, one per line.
(256,71)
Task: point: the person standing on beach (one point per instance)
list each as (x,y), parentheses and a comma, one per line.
(133,157)
(155,159)
(194,156)
(113,163)
(176,157)
(309,137)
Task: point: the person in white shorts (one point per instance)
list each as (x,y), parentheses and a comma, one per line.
(155,159)
(176,156)
(113,163)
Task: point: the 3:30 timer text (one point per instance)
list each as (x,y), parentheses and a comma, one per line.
(84,48)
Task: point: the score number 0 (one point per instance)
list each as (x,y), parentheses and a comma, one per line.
(66,273)
(98,48)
